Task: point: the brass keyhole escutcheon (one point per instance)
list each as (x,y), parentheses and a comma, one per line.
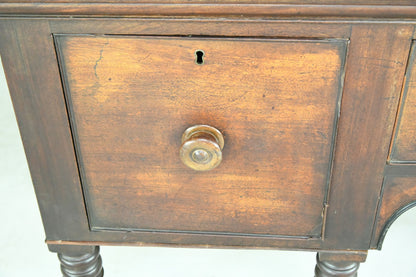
(201,147)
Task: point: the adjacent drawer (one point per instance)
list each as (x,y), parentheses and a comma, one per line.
(275,101)
(404,143)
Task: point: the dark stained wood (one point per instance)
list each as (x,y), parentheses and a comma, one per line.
(399,194)
(404,144)
(334,268)
(275,101)
(202,27)
(77,262)
(374,75)
(32,73)
(82,233)
(348,256)
(171,8)
(67,195)
(378,49)
(153,239)
(71,192)
(72,250)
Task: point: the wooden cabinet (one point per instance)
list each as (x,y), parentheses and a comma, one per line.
(311,106)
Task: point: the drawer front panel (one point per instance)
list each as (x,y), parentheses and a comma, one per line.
(276,102)
(404,145)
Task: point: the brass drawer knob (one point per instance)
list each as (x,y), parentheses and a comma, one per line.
(201,147)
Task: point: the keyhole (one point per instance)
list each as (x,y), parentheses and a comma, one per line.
(199,57)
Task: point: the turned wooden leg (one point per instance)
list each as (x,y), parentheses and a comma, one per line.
(79,261)
(342,265)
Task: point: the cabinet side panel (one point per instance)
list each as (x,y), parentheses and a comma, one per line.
(374,76)
(31,69)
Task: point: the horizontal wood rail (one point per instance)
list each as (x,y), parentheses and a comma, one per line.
(207,9)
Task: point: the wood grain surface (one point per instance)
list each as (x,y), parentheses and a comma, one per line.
(404,145)
(324,2)
(375,69)
(376,63)
(275,101)
(27,52)
(398,192)
(405,9)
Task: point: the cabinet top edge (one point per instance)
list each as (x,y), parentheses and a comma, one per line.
(373,9)
(281,2)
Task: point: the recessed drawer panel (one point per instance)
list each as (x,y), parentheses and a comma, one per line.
(404,144)
(275,101)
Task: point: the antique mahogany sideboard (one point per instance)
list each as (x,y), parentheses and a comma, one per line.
(286,124)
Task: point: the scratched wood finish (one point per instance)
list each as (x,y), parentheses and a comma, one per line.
(274,100)
(404,145)
(398,192)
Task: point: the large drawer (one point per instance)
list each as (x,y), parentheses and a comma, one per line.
(276,102)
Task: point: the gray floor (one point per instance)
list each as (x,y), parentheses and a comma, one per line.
(23,252)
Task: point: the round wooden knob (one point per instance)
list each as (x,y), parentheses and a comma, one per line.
(201,147)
